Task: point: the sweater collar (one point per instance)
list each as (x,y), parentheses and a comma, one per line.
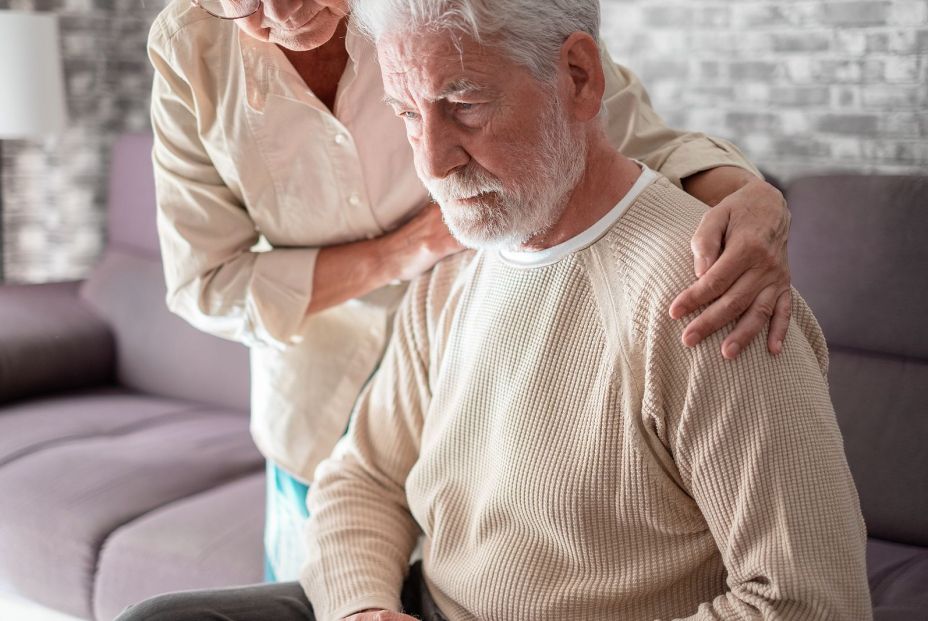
(549,256)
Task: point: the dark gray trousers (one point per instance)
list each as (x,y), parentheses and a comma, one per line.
(264,602)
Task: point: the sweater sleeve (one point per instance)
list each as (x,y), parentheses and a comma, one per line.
(758,448)
(214,279)
(361,532)
(636,130)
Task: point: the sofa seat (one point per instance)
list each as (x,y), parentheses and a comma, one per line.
(72,473)
(898,580)
(210,540)
(29,426)
(126,463)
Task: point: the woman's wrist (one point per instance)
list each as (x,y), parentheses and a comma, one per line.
(388,258)
(716,184)
(351,270)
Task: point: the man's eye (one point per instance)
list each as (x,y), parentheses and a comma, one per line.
(463,106)
(408,115)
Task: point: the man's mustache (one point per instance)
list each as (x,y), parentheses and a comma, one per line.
(468,182)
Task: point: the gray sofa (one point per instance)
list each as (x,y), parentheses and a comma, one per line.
(859,255)
(126,468)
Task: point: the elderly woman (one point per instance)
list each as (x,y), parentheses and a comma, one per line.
(290,214)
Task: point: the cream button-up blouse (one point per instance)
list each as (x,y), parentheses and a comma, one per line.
(245,153)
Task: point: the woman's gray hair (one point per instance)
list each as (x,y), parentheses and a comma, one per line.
(530,32)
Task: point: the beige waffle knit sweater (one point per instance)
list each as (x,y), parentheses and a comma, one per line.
(568,459)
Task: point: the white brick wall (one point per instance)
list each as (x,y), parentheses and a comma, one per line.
(802,86)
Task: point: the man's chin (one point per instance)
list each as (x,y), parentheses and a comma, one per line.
(480,238)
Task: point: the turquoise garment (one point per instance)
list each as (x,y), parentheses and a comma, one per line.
(284,549)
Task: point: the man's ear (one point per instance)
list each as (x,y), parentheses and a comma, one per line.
(584,67)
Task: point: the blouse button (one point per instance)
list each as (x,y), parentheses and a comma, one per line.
(354,200)
(340,139)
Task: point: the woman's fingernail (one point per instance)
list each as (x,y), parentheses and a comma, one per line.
(731,351)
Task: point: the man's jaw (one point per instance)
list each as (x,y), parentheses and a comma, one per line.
(484,216)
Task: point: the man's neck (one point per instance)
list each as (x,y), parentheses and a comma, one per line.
(607,179)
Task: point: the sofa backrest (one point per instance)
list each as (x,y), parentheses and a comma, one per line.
(156,351)
(859,255)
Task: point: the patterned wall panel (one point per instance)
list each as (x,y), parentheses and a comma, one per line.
(54,192)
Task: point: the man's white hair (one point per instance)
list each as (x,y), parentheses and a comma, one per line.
(530,32)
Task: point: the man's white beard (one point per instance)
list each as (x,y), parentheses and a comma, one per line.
(505,218)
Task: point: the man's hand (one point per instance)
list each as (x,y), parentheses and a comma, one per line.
(379,615)
(740,260)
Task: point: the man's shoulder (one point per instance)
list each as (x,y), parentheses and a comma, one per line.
(444,281)
(650,244)
(432,294)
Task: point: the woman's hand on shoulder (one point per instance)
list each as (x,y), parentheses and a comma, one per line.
(742,270)
(418,245)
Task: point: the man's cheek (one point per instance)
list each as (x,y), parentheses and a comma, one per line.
(420,169)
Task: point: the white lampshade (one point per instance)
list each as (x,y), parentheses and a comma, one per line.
(31,81)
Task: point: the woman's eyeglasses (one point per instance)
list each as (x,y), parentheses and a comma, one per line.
(228,9)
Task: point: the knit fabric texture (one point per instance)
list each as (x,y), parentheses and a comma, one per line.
(564,456)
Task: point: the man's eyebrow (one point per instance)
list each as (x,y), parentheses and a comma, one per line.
(456,87)
(459,87)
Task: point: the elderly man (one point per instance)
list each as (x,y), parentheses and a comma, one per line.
(537,420)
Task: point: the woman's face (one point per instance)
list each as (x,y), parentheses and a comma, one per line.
(298,25)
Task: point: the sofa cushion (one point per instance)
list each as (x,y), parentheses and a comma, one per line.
(41,424)
(881,403)
(898,576)
(859,257)
(62,502)
(50,342)
(156,351)
(210,540)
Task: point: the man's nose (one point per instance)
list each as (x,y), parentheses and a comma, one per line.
(280,11)
(440,150)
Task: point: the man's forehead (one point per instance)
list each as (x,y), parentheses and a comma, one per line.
(437,65)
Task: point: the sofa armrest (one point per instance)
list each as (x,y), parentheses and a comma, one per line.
(50,341)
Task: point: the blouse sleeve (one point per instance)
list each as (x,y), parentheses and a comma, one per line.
(215,279)
(635,129)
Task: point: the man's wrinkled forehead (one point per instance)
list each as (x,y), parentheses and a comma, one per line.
(436,65)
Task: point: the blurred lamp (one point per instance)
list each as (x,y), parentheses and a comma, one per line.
(31,82)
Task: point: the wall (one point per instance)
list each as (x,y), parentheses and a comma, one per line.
(803,86)
(54,192)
